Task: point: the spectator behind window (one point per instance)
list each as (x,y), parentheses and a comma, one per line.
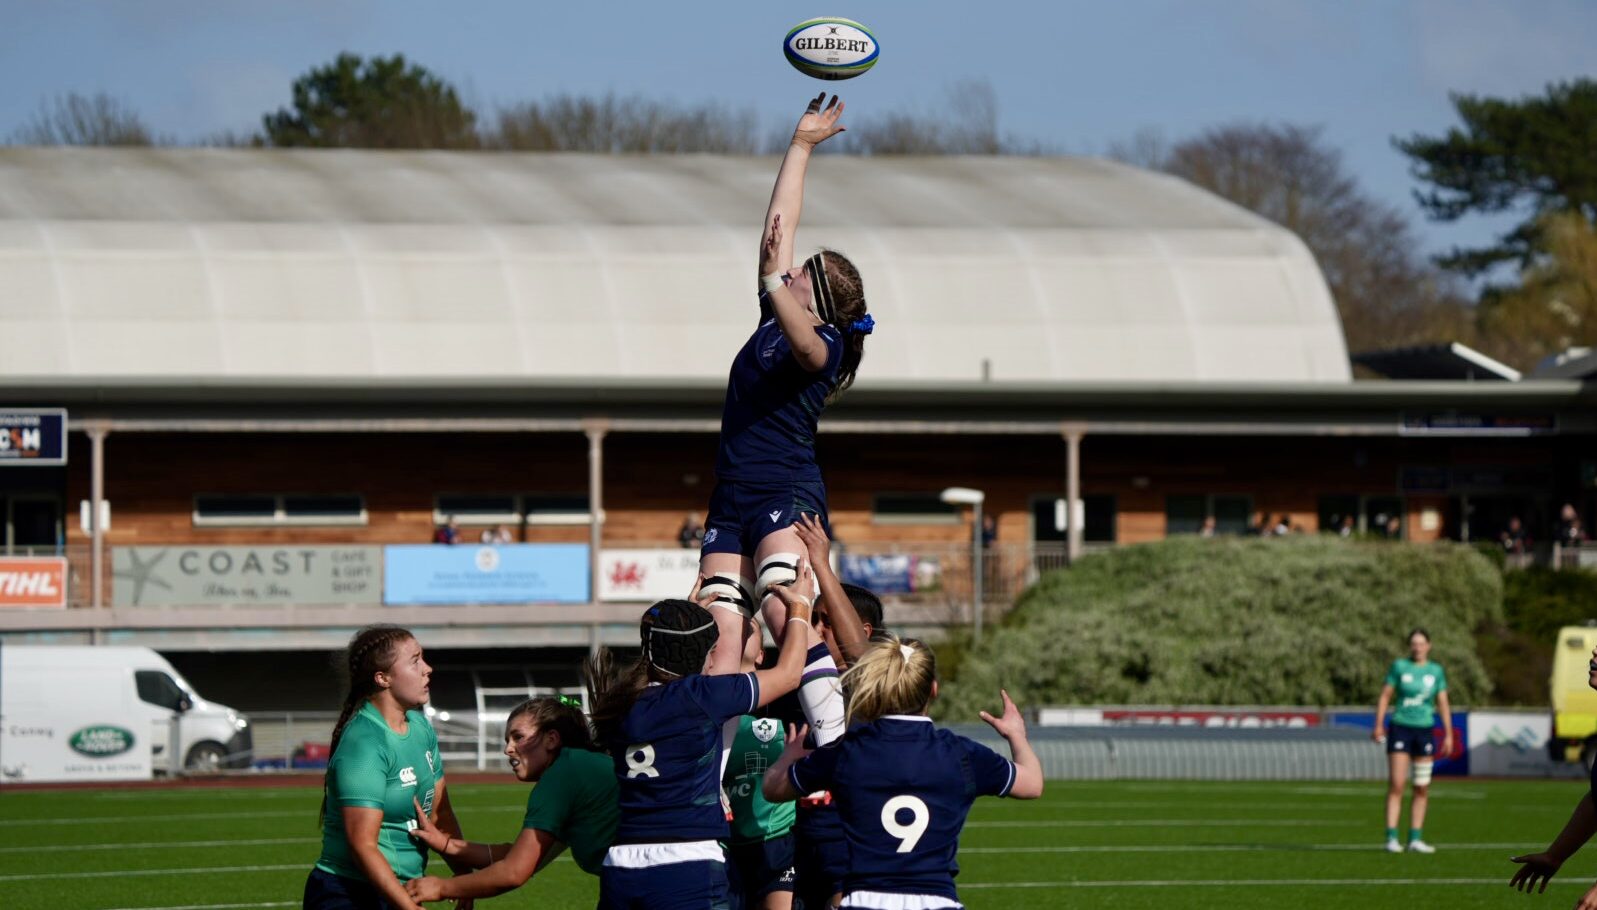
(1570,531)
(447,533)
(691,535)
(494,536)
(1514,539)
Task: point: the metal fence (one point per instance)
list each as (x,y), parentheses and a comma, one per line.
(1198,753)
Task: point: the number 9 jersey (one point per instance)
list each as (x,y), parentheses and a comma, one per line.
(903,788)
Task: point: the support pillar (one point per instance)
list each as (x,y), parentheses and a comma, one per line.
(1075,514)
(596,429)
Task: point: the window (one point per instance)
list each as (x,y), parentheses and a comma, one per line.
(1371,514)
(158,689)
(913,509)
(279,509)
(512,508)
(1050,519)
(476,508)
(555,508)
(1185,514)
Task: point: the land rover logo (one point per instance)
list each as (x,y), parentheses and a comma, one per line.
(101,742)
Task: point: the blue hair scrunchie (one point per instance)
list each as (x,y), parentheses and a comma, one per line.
(863,326)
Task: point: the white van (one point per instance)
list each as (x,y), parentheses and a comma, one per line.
(105,713)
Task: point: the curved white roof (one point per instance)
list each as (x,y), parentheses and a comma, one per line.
(268,264)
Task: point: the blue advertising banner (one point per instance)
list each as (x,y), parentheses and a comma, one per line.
(888,573)
(33,437)
(503,574)
(1455,762)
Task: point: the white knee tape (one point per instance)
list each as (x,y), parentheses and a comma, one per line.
(1422,774)
(777,569)
(731,593)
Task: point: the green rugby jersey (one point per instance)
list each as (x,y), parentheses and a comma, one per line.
(376,768)
(1417,686)
(576,801)
(757,746)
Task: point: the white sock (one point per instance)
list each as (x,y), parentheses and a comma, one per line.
(821,695)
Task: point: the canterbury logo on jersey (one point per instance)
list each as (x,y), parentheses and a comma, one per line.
(818,798)
(407,777)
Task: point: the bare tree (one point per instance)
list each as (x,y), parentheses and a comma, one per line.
(1385,290)
(966,123)
(75,119)
(612,124)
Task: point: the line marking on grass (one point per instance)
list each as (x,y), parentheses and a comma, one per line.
(1170,823)
(215,906)
(162,845)
(110,873)
(1225,848)
(188,816)
(1250,882)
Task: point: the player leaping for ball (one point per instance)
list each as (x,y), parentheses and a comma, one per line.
(803,355)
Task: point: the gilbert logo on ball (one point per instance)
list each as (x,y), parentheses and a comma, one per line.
(831,48)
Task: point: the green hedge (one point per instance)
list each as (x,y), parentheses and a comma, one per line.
(1294,621)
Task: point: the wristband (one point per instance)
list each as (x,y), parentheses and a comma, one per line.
(793,619)
(773,281)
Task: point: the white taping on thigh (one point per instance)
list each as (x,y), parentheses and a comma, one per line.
(731,593)
(777,569)
(1422,773)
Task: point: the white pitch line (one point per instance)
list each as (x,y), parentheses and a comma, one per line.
(187,816)
(1227,848)
(1250,882)
(216,906)
(1170,823)
(112,873)
(162,845)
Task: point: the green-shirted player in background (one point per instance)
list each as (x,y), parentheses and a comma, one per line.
(1421,687)
(573,806)
(384,764)
(759,854)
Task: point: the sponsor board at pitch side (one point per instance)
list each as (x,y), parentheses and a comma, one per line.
(199,576)
(35,582)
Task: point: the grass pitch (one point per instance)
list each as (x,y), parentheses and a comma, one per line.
(1085,845)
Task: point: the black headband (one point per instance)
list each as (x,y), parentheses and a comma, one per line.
(816,267)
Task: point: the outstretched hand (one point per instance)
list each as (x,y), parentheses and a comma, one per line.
(818,125)
(427,832)
(1010,723)
(771,249)
(813,535)
(1534,872)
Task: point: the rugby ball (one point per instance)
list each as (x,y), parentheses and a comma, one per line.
(831,48)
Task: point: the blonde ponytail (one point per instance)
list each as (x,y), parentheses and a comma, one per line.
(893,676)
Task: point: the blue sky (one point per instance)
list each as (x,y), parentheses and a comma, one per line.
(1074,75)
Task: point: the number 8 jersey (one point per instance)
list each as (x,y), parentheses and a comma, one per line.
(903,789)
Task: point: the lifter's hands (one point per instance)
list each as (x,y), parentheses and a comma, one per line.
(816,543)
(817,125)
(795,595)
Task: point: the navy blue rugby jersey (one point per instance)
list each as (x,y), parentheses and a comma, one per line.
(773,406)
(669,771)
(903,789)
